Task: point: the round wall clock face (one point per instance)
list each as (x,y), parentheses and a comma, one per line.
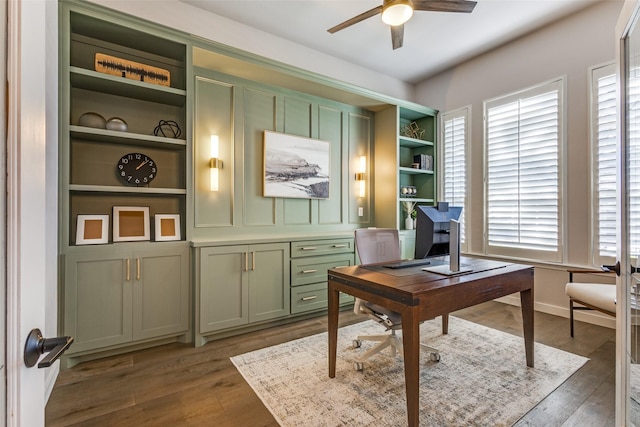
(136,169)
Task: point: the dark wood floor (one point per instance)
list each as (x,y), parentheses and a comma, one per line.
(179,385)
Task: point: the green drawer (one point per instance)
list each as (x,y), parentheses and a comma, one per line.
(314,269)
(321,247)
(313,297)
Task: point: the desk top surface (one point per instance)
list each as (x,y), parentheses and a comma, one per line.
(412,283)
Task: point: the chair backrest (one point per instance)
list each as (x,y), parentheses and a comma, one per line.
(377,245)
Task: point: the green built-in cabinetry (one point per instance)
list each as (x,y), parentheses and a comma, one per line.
(405,165)
(136,289)
(310,261)
(116,295)
(239,285)
(249,285)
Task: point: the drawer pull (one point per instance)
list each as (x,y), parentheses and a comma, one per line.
(341,266)
(309,298)
(340,246)
(308,271)
(308,248)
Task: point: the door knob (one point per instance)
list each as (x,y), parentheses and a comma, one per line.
(37,344)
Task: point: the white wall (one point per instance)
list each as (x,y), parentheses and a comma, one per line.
(196,21)
(566,48)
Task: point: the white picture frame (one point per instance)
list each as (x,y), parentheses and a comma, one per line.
(167,227)
(92,229)
(131,223)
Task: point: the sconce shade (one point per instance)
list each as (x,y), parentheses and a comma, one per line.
(215,164)
(362,168)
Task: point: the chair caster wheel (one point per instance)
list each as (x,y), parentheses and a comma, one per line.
(358,366)
(434,357)
(356,343)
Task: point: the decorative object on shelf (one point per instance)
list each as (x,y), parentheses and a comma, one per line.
(92,229)
(136,169)
(130,223)
(215,164)
(409,208)
(116,123)
(362,168)
(168,129)
(167,227)
(415,165)
(132,70)
(412,130)
(92,120)
(408,191)
(295,166)
(425,161)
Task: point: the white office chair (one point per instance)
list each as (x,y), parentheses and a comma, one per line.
(375,245)
(590,296)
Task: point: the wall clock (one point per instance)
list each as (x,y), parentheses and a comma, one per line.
(136,169)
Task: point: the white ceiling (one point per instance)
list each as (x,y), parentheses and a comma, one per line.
(433,41)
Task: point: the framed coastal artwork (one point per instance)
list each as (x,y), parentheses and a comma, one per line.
(296,166)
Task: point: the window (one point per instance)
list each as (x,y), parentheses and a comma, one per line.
(523,137)
(604,148)
(453,161)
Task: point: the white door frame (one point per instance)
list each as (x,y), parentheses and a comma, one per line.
(31,220)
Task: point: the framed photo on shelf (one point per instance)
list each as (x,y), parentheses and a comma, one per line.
(92,229)
(167,227)
(131,223)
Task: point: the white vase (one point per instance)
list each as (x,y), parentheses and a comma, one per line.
(408,223)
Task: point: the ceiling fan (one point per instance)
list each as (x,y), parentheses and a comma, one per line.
(396,12)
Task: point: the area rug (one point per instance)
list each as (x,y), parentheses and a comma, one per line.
(481,380)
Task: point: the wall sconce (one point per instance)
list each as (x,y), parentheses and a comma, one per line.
(360,175)
(215,164)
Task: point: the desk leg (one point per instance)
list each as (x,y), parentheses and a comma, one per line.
(411,346)
(526,301)
(333,308)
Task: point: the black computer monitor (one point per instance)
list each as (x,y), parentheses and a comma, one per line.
(432,229)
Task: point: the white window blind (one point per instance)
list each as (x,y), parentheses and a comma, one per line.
(633,168)
(604,120)
(523,141)
(453,161)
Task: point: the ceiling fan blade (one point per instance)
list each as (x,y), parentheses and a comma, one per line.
(397,35)
(463,6)
(356,19)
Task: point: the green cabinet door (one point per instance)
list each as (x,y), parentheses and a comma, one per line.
(224,288)
(161,291)
(243,284)
(269,273)
(97,299)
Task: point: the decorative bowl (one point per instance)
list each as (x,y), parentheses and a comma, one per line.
(116,123)
(92,120)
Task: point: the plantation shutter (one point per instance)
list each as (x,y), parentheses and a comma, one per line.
(605,148)
(523,133)
(454,139)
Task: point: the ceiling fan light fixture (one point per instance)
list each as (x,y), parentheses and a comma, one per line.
(397,12)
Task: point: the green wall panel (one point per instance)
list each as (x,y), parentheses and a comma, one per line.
(297,121)
(330,128)
(260,114)
(213,116)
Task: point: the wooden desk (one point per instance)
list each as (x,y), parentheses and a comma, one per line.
(419,296)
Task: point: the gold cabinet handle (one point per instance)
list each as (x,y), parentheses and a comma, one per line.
(246,261)
(253,260)
(308,271)
(341,266)
(128,268)
(340,246)
(309,298)
(308,248)
(137,268)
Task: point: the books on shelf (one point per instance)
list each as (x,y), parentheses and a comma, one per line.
(424,160)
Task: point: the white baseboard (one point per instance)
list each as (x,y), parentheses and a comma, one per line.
(593,317)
